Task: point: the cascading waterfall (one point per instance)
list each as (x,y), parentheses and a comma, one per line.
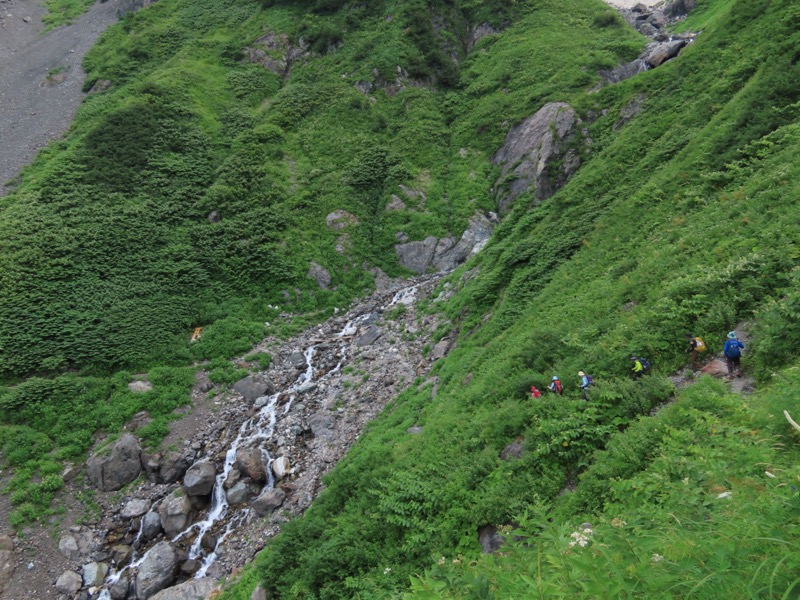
(254,432)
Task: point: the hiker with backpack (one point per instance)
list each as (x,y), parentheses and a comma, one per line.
(555,386)
(640,366)
(535,393)
(733,354)
(586,381)
(696,345)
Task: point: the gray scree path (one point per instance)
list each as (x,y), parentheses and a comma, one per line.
(40,77)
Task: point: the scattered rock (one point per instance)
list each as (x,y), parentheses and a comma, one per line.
(269,501)
(339,219)
(319,274)
(369,337)
(6,561)
(414,430)
(69,582)
(151,526)
(251,464)
(94,573)
(199,479)
(298,361)
(134,508)
(214,216)
(68,546)
(122,554)
(322,426)
(116,470)
(281,467)
(396,203)
(252,387)
(490,539)
(440,350)
(190,590)
(157,571)
(119,589)
(101,85)
(241,492)
(140,386)
(513,450)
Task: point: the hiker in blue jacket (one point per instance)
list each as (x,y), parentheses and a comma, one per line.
(733,354)
(586,381)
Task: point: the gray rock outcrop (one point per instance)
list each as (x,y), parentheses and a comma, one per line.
(166,467)
(369,337)
(190,590)
(417,256)
(664,52)
(538,155)
(199,479)
(340,219)
(134,508)
(157,571)
(114,471)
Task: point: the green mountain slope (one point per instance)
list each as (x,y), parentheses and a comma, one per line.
(681,219)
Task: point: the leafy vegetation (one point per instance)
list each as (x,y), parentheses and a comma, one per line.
(681,218)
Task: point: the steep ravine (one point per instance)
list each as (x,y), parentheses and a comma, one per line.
(287,425)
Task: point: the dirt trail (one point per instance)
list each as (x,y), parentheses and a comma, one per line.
(41,77)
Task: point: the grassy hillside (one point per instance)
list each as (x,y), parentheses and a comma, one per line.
(680,219)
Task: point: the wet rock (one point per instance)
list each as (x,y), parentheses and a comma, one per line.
(251,464)
(252,387)
(113,471)
(190,567)
(200,477)
(240,493)
(298,361)
(322,425)
(119,589)
(134,508)
(490,539)
(308,386)
(269,501)
(319,274)
(208,541)
(68,546)
(69,582)
(174,512)
(190,590)
(151,526)
(94,573)
(369,337)
(624,71)
(121,554)
(664,52)
(281,467)
(538,154)
(157,571)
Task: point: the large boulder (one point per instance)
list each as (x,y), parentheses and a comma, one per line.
(269,501)
(472,241)
(151,526)
(113,471)
(120,588)
(664,51)
(538,154)
(322,425)
(135,507)
(69,582)
(94,573)
(252,387)
(241,492)
(250,463)
(281,467)
(190,590)
(157,571)
(199,479)
(174,512)
(6,561)
(166,467)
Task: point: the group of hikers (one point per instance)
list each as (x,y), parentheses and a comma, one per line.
(732,350)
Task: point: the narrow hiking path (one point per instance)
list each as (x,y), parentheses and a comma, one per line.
(41,78)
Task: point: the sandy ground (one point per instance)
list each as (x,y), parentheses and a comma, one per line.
(40,77)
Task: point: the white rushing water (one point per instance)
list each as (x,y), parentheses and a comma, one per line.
(255,432)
